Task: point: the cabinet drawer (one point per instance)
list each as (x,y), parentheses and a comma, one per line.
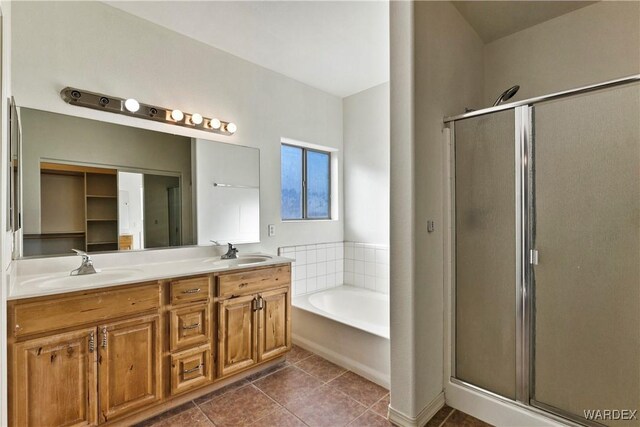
(252,281)
(190,290)
(191,368)
(189,325)
(60,312)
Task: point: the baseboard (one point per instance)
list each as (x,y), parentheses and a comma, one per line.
(402,420)
(496,411)
(345,362)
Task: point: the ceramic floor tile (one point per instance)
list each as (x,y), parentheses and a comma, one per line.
(358,388)
(192,418)
(288,384)
(239,407)
(297,354)
(226,389)
(381,407)
(440,416)
(370,419)
(268,371)
(460,419)
(321,368)
(326,407)
(166,415)
(280,418)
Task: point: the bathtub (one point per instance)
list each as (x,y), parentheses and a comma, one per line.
(348,326)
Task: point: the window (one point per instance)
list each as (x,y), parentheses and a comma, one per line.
(305,183)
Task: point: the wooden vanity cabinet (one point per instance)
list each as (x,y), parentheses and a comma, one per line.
(54,380)
(254,317)
(130,374)
(109,355)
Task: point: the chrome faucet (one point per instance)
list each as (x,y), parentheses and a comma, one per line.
(87,264)
(232,253)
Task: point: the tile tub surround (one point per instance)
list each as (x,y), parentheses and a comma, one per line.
(327,265)
(304,390)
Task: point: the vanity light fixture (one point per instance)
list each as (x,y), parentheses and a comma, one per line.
(177,115)
(215,124)
(196,119)
(231,127)
(131,107)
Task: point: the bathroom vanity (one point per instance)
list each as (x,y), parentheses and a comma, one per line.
(115,354)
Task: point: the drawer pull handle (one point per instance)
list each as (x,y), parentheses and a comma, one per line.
(195,325)
(192,370)
(191,291)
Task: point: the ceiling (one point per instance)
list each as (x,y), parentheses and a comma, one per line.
(340,47)
(496,19)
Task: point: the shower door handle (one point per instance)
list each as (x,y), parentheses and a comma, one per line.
(533,257)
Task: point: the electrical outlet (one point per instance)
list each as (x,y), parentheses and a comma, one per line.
(272,230)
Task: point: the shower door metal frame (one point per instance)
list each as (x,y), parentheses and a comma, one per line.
(522,141)
(525,240)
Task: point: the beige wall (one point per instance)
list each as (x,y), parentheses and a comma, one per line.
(593,44)
(366,165)
(49,136)
(447,76)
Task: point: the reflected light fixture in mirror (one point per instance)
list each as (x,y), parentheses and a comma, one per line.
(131,107)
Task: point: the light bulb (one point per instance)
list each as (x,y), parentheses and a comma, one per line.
(196,118)
(177,115)
(215,124)
(131,105)
(231,127)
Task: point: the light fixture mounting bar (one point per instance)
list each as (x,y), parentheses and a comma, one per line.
(114,104)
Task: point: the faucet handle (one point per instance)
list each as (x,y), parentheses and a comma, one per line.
(85,256)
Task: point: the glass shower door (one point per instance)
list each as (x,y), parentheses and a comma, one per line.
(586,321)
(486,252)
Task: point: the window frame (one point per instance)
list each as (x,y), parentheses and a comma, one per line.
(304,186)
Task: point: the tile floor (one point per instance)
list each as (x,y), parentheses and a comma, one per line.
(303,390)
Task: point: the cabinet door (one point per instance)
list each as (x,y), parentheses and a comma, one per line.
(129,366)
(55,380)
(237,333)
(274,332)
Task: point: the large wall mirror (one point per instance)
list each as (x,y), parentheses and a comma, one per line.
(100,186)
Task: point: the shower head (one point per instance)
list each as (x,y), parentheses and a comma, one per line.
(506,95)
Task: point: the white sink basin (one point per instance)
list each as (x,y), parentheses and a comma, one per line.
(238,262)
(62,280)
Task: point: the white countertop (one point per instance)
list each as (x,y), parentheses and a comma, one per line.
(54,282)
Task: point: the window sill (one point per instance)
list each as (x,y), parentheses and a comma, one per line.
(286,221)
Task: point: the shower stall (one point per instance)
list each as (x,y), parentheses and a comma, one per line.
(545,250)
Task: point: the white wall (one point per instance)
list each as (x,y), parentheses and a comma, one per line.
(58,44)
(592,44)
(436,70)
(366,165)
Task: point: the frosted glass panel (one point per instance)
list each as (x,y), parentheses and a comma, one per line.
(486,252)
(587,283)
